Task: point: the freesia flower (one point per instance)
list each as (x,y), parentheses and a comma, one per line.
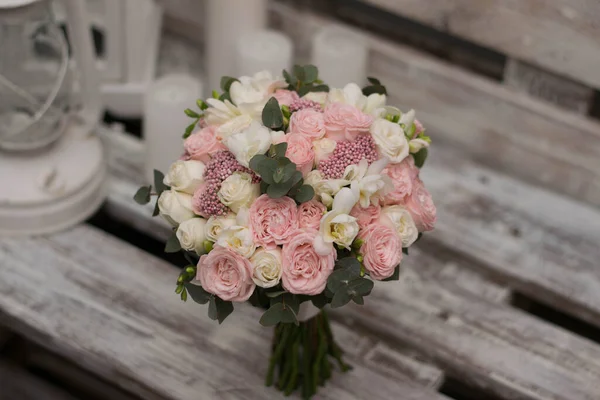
(337,226)
(368,181)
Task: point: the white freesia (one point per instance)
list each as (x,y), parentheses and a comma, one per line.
(233,126)
(267,267)
(390,140)
(238,237)
(417,144)
(368,181)
(337,226)
(255,139)
(185,176)
(192,234)
(352,94)
(175,207)
(403,223)
(250,94)
(375,104)
(319,97)
(325,189)
(407,118)
(217,224)
(238,191)
(323,148)
(220,112)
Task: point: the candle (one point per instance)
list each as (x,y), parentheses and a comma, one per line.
(226,22)
(165,120)
(341,56)
(263,50)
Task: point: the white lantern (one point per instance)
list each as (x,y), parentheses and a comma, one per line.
(52,166)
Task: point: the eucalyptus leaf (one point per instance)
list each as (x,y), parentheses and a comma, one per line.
(420,157)
(199,295)
(272,117)
(159,185)
(340,298)
(156,210)
(226,82)
(263,187)
(358,300)
(291,80)
(288,171)
(320,300)
(405,250)
(303,90)
(273,315)
(275,294)
(219,309)
(279,149)
(276,191)
(288,316)
(172,245)
(380,89)
(311,73)
(299,73)
(292,301)
(373,81)
(225,96)
(319,88)
(351,264)
(266,169)
(256,160)
(305,193)
(142,196)
(361,286)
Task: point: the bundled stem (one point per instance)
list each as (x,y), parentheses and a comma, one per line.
(301,356)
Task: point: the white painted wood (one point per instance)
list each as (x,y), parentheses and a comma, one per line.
(18,384)
(111,308)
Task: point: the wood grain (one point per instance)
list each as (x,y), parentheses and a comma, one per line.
(18,384)
(111,308)
(561,36)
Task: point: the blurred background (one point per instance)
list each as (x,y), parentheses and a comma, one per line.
(92,94)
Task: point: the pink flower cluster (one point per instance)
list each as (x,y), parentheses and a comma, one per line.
(348,153)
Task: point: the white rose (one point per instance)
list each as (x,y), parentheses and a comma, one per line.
(266,266)
(351,94)
(238,191)
(390,140)
(403,223)
(250,94)
(255,139)
(220,112)
(175,207)
(217,224)
(323,148)
(325,189)
(417,144)
(337,226)
(375,104)
(239,239)
(185,176)
(192,234)
(233,126)
(319,97)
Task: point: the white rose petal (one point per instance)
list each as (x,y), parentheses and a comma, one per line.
(233,126)
(323,148)
(217,224)
(255,139)
(192,234)
(185,176)
(238,239)
(267,267)
(319,97)
(351,94)
(220,112)
(175,207)
(403,224)
(238,191)
(375,105)
(337,226)
(390,140)
(417,144)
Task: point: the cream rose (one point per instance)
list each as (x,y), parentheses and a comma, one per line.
(238,191)
(390,140)
(402,223)
(238,239)
(192,234)
(175,207)
(266,267)
(323,148)
(185,176)
(255,139)
(217,224)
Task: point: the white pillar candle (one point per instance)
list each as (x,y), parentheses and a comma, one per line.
(341,56)
(263,50)
(165,120)
(226,22)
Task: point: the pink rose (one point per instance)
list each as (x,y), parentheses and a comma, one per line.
(286,97)
(304,271)
(198,200)
(345,122)
(300,151)
(226,274)
(310,214)
(365,216)
(273,220)
(308,122)
(381,250)
(202,144)
(402,175)
(420,206)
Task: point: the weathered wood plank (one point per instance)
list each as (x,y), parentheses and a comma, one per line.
(110,308)
(561,36)
(500,128)
(18,384)
(502,350)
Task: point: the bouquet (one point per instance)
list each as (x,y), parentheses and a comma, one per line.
(292,196)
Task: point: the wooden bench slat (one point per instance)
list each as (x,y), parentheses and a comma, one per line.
(18,384)
(561,36)
(111,308)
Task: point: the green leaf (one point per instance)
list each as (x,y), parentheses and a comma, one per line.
(191,113)
(311,73)
(320,88)
(256,160)
(299,73)
(395,276)
(275,294)
(159,185)
(373,81)
(360,286)
(288,316)
(172,245)
(374,89)
(201,104)
(264,186)
(303,90)
(142,196)
(405,250)
(358,300)
(276,191)
(340,298)
(319,300)
(272,116)
(351,264)
(199,295)
(225,96)
(215,94)
(219,309)
(287,171)
(420,157)
(279,149)
(291,80)
(226,82)
(305,193)
(273,315)
(189,129)
(266,169)
(292,301)
(156,210)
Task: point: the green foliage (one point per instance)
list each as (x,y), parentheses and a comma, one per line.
(272,117)
(226,82)
(374,87)
(284,309)
(420,157)
(172,245)
(346,283)
(159,182)
(197,292)
(219,309)
(142,196)
(192,114)
(304,79)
